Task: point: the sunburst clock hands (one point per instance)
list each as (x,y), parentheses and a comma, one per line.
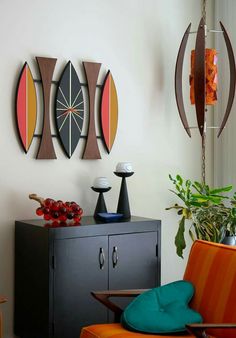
(69,109)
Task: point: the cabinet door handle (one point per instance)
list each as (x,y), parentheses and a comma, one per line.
(114,256)
(101,258)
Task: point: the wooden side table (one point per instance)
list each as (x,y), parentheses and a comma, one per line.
(2,300)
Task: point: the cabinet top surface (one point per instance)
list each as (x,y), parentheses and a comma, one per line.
(85,221)
(89,227)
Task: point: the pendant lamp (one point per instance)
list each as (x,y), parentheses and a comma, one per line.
(203,79)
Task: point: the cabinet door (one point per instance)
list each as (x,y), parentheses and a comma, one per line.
(80,267)
(133,262)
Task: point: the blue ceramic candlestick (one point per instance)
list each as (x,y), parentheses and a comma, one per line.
(101,205)
(123,202)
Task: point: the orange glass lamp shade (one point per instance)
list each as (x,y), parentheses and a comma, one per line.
(211,76)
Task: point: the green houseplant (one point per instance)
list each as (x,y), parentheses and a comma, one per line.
(211,212)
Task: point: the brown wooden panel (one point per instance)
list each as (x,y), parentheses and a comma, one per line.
(178,80)
(232,78)
(199,76)
(46,67)
(91,151)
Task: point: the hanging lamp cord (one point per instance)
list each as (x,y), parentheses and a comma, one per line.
(204,10)
(204,157)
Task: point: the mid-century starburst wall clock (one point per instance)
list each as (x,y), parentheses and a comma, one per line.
(69,109)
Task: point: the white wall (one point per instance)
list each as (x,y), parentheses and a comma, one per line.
(138,40)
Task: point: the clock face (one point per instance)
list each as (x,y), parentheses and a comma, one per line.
(69,109)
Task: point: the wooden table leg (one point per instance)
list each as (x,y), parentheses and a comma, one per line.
(2,300)
(1,330)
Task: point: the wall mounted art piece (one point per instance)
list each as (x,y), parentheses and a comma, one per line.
(109,111)
(91,149)
(69,109)
(46,68)
(26,107)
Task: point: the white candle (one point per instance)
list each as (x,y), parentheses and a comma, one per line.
(124,167)
(101,182)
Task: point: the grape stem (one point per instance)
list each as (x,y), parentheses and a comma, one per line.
(37,198)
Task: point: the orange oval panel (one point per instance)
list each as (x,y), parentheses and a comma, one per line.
(109,111)
(26,107)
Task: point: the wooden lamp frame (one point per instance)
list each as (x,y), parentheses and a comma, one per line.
(199,78)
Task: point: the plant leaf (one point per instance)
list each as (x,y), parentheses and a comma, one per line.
(179,238)
(214,199)
(188,183)
(172,179)
(233,212)
(223,189)
(202,198)
(179,178)
(196,204)
(198,186)
(191,235)
(178,194)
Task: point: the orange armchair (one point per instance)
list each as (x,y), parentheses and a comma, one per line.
(211,268)
(2,300)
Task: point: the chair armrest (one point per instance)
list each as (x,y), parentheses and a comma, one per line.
(119,293)
(2,299)
(103,297)
(198,330)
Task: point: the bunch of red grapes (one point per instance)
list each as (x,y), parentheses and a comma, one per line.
(59,211)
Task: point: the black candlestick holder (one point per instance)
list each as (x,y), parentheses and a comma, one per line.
(101,205)
(123,202)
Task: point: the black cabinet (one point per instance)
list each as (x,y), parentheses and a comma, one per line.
(57,268)
(77,272)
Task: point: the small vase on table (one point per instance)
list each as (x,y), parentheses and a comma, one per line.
(123,170)
(101,186)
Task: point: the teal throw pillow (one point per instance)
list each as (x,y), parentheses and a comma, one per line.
(162,310)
